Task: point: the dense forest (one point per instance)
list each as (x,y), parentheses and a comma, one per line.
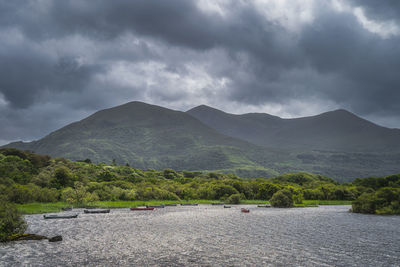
(28,177)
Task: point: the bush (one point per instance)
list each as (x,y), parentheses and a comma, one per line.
(234,199)
(384,201)
(78,195)
(11,221)
(282,199)
(267,190)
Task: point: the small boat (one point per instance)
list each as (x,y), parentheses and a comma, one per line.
(60,216)
(67,209)
(264,206)
(142,208)
(96,211)
(244,210)
(227,207)
(189,204)
(155,206)
(217,204)
(170,205)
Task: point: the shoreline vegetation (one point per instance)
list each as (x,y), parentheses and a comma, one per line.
(39,208)
(27,179)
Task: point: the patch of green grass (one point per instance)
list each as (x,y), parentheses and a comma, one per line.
(305,205)
(34,208)
(328,202)
(254,201)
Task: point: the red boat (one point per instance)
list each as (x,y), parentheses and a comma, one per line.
(244,210)
(144,208)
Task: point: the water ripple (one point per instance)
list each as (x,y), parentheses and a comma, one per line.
(212,236)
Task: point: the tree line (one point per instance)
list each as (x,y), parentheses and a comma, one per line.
(28,177)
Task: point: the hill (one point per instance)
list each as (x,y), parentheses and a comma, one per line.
(148,136)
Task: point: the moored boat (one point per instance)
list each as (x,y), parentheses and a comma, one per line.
(189,204)
(97,211)
(217,204)
(227,207)
(244,210)
(264,206)
(170,205)
(54,216)
(142,208)
(67,209)
(155,206)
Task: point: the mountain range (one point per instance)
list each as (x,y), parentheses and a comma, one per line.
(338,144)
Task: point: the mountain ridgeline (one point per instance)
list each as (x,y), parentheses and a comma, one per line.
(337,130)
(337,144)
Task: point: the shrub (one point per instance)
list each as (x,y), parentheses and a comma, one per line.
(11,221)
(233,199)
(78,195)
(384,201)
(282,199)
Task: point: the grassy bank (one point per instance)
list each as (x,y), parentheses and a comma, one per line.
(35,208)
(328,202)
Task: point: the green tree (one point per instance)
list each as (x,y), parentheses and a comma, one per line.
(170,174)
(267,190)
(78,195)
(223,191)
(106,176)
(62,178)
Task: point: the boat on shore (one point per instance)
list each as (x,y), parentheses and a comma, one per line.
(155,206)
(142,208)
(264,206)
(189,204)
(67,209)
(96,211)
(54,216)
(244,210)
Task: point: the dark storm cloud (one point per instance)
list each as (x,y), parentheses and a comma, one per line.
(366,62)
(27,74)
(87,55)
(364,66)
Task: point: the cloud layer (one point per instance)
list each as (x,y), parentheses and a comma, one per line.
(62,60)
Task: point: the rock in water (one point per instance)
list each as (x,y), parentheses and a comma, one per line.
(56,238)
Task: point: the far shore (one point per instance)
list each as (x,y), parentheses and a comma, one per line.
(37,208)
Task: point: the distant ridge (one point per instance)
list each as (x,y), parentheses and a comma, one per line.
(337,130)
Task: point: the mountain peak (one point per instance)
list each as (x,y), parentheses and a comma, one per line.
(204,108)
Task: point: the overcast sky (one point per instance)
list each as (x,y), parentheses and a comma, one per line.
(60,61)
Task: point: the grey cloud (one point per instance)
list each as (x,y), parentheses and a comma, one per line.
(380,10)
(26,74)
(331,59)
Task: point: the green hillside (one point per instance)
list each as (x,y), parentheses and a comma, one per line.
(148,136)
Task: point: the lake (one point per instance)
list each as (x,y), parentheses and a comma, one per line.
(212,236)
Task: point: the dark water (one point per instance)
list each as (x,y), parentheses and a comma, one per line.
(212,236)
